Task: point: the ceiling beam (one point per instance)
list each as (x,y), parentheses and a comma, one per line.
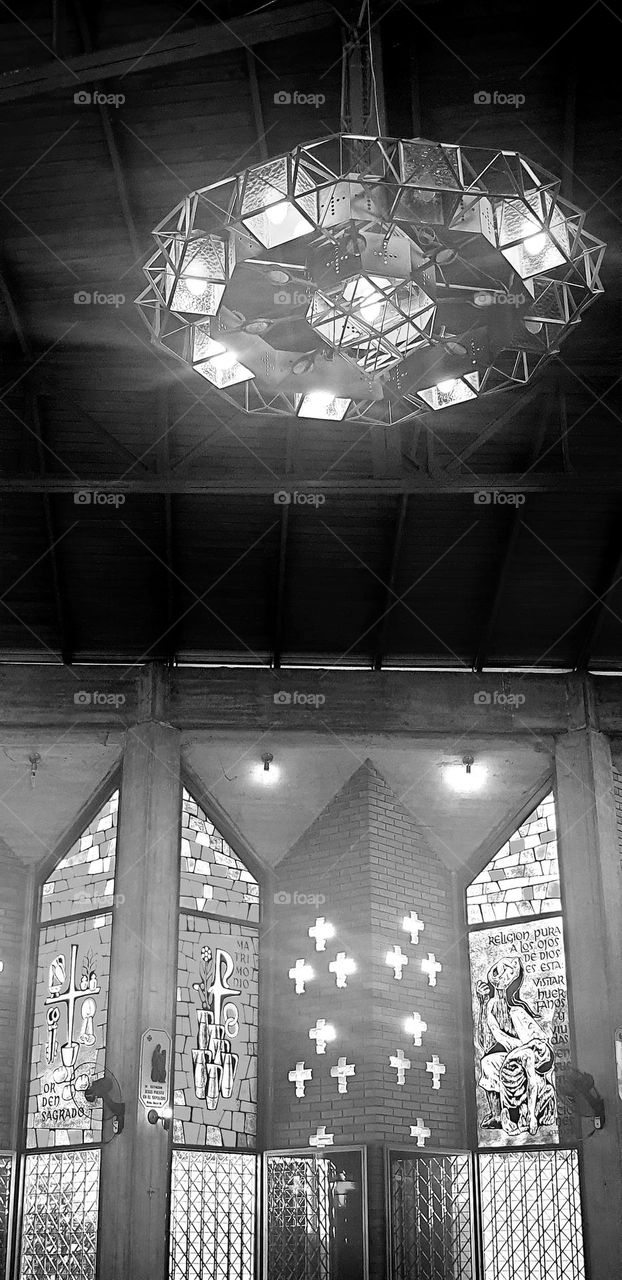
(171,48)
(267,483)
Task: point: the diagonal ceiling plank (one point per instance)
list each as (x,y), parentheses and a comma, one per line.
(169,621)
(137,466)
(138,250)
(595,616)
(515,406)
(172,48)
(34,422)
(508,556)
(388,595)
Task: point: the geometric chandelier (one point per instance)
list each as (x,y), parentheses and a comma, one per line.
(370,278)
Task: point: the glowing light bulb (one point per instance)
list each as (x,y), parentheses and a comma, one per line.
(318,402)
(194,278)
(227,360)
(448,386)
(277,213)
(456,777)
(536,244)
(357,291)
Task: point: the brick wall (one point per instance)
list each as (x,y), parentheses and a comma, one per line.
(13,880)
(363,865)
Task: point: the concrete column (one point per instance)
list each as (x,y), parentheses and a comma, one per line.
(591,883)
(134,1197)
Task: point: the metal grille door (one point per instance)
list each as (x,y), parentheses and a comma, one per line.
(503,1215)
(299,1218)
(6,1181)
(59,1226)
(531,1216)
(213,1207)
(431,1218)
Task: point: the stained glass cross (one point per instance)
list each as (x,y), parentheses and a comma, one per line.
(341,1073)
(436,1069)
(301,973)
(431,967)
(322,1032)
(402,1065)
(415,1026)
(420,1132)
(396,959)
(321,1138)
(299,1077)
(321,931)
(413,925)
(341,967)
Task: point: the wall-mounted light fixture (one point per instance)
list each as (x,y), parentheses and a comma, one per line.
(467,777)
(265,771)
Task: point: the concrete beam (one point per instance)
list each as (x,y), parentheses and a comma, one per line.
(403,702)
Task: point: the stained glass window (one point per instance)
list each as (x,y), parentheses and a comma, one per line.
(71,993)
(84,879)
(523,877)
(518,988)
(215,1099)
(214,880)
(61,1187)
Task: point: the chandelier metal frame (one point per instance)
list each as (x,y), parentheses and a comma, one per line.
(371,278)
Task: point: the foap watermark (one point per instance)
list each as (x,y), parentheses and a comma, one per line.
(96,99)
(498,699)
(283,498)
(284,899)
(496,298)
(98,498)
(496,498)
(97,901)
(285,699)
(296,99)
(95,698)
(95,298)
(291,298)
(484,99)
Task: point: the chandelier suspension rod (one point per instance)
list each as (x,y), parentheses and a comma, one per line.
(360,105)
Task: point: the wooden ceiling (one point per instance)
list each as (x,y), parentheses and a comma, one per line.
(399,564)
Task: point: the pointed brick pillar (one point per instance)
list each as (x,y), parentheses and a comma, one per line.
(363,865)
